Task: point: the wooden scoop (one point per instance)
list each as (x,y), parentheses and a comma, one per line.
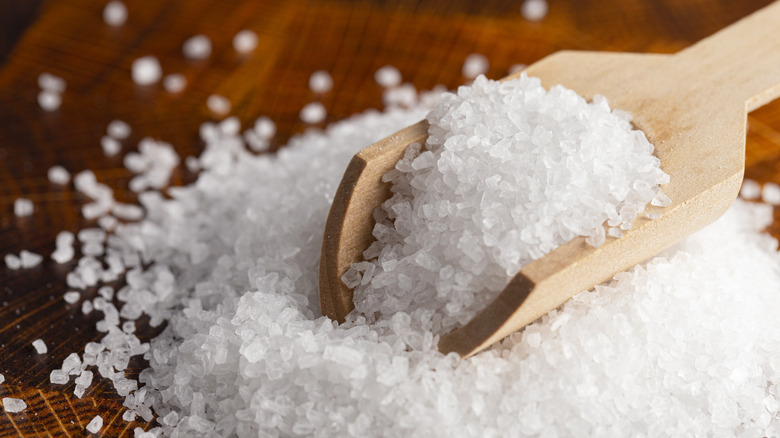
(693,108)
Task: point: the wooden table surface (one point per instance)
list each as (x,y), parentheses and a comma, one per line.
(427,40)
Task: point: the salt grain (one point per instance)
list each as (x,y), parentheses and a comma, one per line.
(13,405)
(51,83)
(320,82)
(115,13)
(475,65)
(40,346)
(218,105)
(12,261)
(49,100)
(95,424)
(534,10)
(146,70)
(72,297)
(58,175)
(175,83)
(751,189)
(388,76)
(770,193)
(197,47)
(245,41)
(118,129)
(313,112)
(23,207)
(110,146)
(30,259)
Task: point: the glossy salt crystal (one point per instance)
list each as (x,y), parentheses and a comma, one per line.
(313,112)
(475,65)
(95,424)
(174,83)
(245,41)
(197,47)
(115,13)
(534,10)
(13,405)
(388,76)
(40,346)
(218,105)
(23,207)
(320,82)
(58,175)
(146,70)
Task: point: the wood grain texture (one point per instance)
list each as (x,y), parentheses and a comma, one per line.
(426,40)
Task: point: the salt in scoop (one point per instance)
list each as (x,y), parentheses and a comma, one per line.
(692,106)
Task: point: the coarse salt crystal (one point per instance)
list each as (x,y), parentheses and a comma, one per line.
(118,129)
(320,81)
(245,41)
(197,47)
(40,346)
(23,207)
(218,105)
(388,76)
(95,424)
(58,175)
(110,145)
(534,10)
(175,83)
(13,405)
(71,297)
(750,189)
(12,261)
(49,100)
(265,127)
(146,70)
(115,13)
(770,193)
(475,65)
(30,259)
(313,112)
(51,83)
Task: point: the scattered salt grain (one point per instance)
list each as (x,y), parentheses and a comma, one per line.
(12,261)
(40,346)
(2,378)
(115,13)
(110,145)
(87,307)
(30,259)
(320,82)
(13,405)
(49,100)
(175,83)
(475,65)
(58,175)
(534,10)
(245,41)
(128,212)
(313,112)
(404,96)
(770,193)
(265,127)
(51,83)
(388,76)
(23,207)
(750,189)
(197,47)
(118,129)
(218,105)
(59,377)
(146,70)
(95,424)
(71,297)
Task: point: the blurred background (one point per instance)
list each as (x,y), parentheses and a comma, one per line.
(427,41)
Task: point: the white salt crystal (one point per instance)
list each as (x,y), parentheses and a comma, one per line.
(320,81)
(118,129)
(72,363)
(51,83)
(71,297)
(129,212)
(2,378)
(87,307)
(49,100)
(770,193)
(245,41)
(63,254)
(95,424)
(107,223)
(475,65)
(750,189)
(218,105)
(58,175)
(388,76)
(59,377)
(313,112)
(30,259)
(40,346)
(12,261)
(110,146)
(230,127)
(115,13)
(265,127)
(23,207)
(174,83)
(197,47)
(404,96)
(13,405)
(534,10)
(146,70)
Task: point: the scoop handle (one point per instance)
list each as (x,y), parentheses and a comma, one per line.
(740,63)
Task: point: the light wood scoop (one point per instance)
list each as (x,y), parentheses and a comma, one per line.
(693,108)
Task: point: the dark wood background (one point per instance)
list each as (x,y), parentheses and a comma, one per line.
(426,40)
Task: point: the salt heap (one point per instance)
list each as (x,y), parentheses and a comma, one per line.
(684,344)
(511,172)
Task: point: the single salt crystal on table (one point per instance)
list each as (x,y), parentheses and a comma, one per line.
(197,47)
(110,145)
(475,65)
(174,83)
(40,346)
(320,81)
(388,76)
(750,189)
(245,41)
(313,112)
(12,261)
(770,193)
(87,307)
(71,297)
(23,207)
(265,127)
(218,105)
(49,100)
(52,83)
(230,127)
(13,405)
(534,10)
(95,424)
(30,259)
(118,129)
(115,13)
(59,377)
(146,70)
(2,378)
(58,175)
